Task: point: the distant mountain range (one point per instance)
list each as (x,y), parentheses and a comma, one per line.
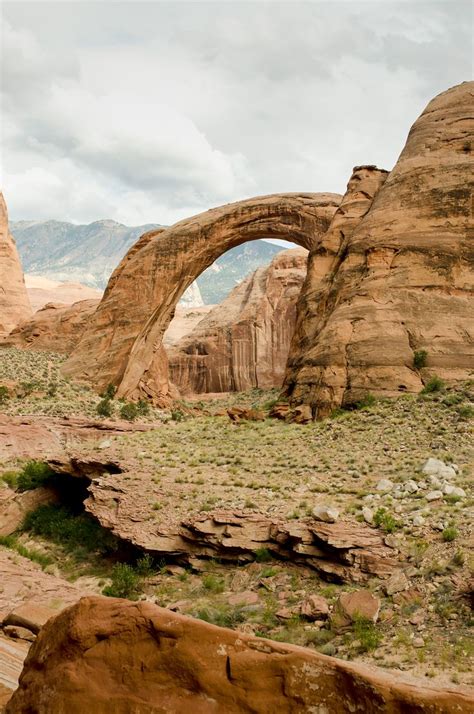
(88,254)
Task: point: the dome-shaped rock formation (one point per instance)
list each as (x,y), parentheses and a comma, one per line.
(14,302)
(123,342)
(55,327)
(401,278)
(105,655)
(243,343)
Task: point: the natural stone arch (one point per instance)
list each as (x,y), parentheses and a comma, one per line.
(123,343)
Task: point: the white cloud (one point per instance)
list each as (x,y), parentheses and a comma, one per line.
(148,112)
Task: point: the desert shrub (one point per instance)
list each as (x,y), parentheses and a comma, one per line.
(125,582)
(262,555)
(367,401)
(105,407)
(435,384)
(449,534)
(213,584)
(27,388)
(465,412)
(143,408)
(145,566)
(366,632)
(109,392)
(177,415)
(10,478)
(75,533)
(52,389)
(33,475)
(4,394)
(129,411)
(419,359)
(225,616)
(385,520)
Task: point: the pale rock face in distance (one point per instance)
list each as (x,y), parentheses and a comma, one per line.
(14,302)
(243,342)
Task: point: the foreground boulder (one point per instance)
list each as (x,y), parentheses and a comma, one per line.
(243,343)
(14,302)
(110,656)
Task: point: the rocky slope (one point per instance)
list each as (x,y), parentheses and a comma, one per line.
(173,663)
(399,277)
(123,342)
(244,342)
(14,303)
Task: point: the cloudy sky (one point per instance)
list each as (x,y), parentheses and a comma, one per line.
(153,111)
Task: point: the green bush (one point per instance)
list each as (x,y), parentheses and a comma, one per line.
(145,567)
(143,408)
(4,394)
(449,534)
(366,632)
(109,393)
(262,555)
(33,475)
(10,478)
(419,359)
(386,521)
(213,583)
(105,407)
(75,533)
(34,555)
(125,582)
(129,411)
(465,412)
(435,384)
(177,415)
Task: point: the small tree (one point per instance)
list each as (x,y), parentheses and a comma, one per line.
(105,408)
(419,359)
(129,411)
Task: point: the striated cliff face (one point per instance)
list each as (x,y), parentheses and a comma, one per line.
(55,327)
(401,278)
(123,342)
(244,342)
(14,302)
(110,655)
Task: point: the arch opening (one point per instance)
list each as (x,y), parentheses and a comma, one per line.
(123,343)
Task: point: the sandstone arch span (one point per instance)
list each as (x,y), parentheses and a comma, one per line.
(123,343)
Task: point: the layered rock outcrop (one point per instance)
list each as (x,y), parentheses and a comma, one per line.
(55,327)
(123,343)
(105,655)
(14,302)
(394,274)
(243,343)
